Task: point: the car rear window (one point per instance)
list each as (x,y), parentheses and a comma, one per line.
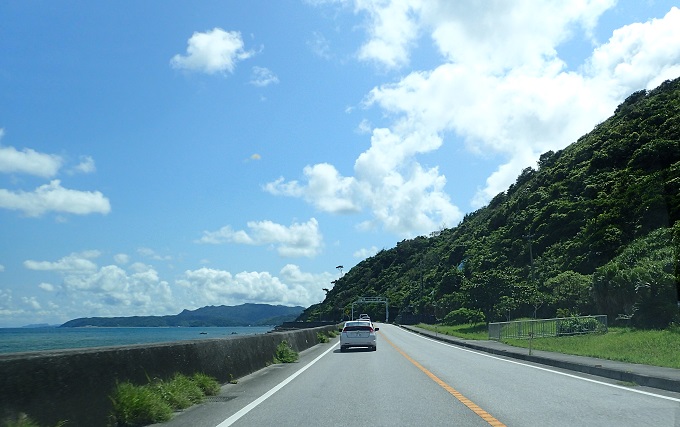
(358,328)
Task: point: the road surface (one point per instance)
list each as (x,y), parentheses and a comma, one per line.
(416,381)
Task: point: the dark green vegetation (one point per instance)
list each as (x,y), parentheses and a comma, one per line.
(325,336)
(239,315)
(25,421)
(285,353)
(136,405)
(593,230)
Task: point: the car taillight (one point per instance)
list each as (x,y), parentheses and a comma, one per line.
(371,329)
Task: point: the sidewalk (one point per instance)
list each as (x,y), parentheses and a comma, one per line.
(642,375)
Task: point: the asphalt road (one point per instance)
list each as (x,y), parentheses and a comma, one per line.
(415,381)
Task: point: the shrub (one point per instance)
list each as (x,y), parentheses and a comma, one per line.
(322,337)
(285,353)
(573,326)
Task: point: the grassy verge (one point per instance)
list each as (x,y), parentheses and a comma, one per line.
(477,331)
(155,402)
(656,348)
(646,347)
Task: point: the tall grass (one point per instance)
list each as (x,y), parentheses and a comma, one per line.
(136,405)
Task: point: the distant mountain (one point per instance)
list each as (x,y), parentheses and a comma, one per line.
(239,315)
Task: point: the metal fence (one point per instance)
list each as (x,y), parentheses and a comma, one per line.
(525,329)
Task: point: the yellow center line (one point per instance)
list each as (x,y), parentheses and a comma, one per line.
(462,399)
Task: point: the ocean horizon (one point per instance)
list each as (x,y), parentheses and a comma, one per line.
(30,339)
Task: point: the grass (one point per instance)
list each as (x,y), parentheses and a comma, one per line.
(136,405)
(646,347)
(476,331)
(325,336)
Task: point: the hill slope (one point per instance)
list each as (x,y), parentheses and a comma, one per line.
(558,241)
(240,315)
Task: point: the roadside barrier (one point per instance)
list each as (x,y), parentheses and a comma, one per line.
(75,385)
(536,328)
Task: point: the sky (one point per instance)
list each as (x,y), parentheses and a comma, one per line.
(165,155)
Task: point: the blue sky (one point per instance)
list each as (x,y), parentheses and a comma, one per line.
(162,155)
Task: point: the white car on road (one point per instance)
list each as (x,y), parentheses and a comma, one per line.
(358,333)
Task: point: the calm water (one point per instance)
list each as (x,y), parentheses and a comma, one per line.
(36,339)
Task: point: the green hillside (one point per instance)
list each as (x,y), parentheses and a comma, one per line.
(593,230)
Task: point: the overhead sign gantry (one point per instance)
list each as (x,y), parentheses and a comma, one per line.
(374,300)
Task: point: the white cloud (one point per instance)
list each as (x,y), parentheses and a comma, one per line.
(53,197)
(293,287)
(86,165)
(639,55)
(2,268)
(500,36)
(263,77)
(392,31)
(47,287)
(150,253)
(104,291)
(29,161)
(75,263)
(403,197)
(121,259)
(212,52)
(300,239)
(319,45)
(326,189)
(501,89)
(113,290)
(31,302)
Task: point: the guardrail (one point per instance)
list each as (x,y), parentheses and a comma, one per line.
(536,328)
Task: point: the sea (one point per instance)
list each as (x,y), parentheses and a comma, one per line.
(13,340)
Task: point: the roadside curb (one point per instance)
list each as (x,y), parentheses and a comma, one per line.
(643,375)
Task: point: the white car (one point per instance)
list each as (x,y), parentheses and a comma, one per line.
(358,333)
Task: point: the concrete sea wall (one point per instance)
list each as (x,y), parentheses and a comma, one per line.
(76,385)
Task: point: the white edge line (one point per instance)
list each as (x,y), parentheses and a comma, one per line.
(632,390)
(252,405)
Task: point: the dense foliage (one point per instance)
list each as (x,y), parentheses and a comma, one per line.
(594,229)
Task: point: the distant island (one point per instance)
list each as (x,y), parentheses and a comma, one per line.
(239,315)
